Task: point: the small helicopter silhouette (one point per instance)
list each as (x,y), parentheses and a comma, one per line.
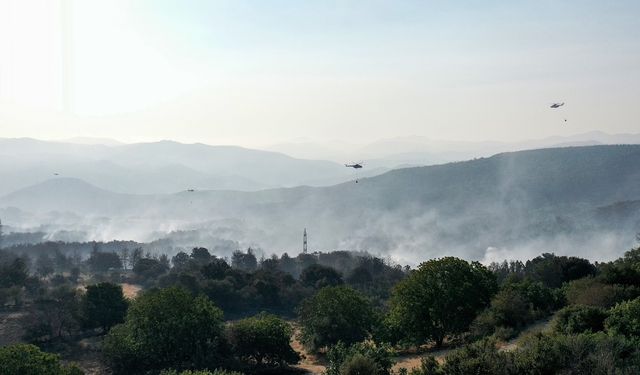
(354,165)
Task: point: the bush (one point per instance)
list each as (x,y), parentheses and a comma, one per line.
(262,340)
(200,372)
(23,359)
(166,328)
(335,314)
(359,365)
(344,359)
(624,319)
(542,354)
(579,319)
(593,292)
(577,354)
(481,357)
(485,324)
(511,309)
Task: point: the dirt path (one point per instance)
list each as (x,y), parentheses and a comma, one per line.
(308,362)
(539,326)
(412,361)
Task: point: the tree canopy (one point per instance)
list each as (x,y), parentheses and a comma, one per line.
(440,298)
(167,328)
(262,340)
(104,305)
(335,314)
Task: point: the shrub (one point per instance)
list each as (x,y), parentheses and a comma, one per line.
(542,354)
(359,365)
(200,372)
(624,319)
(593,292)
(344,359)
(23,359)
(263,339)
(510,308)
(577,354)
(579,319)
(481,357)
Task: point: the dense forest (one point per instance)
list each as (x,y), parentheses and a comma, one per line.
(108,308)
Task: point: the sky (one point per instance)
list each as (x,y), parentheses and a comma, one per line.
(260,72)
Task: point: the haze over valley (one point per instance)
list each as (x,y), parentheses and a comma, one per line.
(511,205)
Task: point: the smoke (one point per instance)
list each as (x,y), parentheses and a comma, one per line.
(508,207)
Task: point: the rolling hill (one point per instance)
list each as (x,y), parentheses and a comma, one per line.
(512,203)
(159,167)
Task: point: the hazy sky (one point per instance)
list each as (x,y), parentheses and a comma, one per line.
(260,72)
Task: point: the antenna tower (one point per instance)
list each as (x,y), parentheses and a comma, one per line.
(304,241)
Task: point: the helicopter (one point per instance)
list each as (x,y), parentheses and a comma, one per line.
(556,105)
(354,165)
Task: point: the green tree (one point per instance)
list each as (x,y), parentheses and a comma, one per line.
(180,260)
(149,268)
(440,298)
(13,273)
(244,261)
(200,255)
(102,261)
(263,339)
(44,265)
(624,319)
(167,328)
(335,314)
(318,276)
(104,306)
(216,269)
(24,359)
(553,270)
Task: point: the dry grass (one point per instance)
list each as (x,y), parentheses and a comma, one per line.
(131,291)
(11,330)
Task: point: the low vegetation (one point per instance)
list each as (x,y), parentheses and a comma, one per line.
(200,314)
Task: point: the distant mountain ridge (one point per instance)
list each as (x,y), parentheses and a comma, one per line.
(540,200)
(419,150)
(159,167)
